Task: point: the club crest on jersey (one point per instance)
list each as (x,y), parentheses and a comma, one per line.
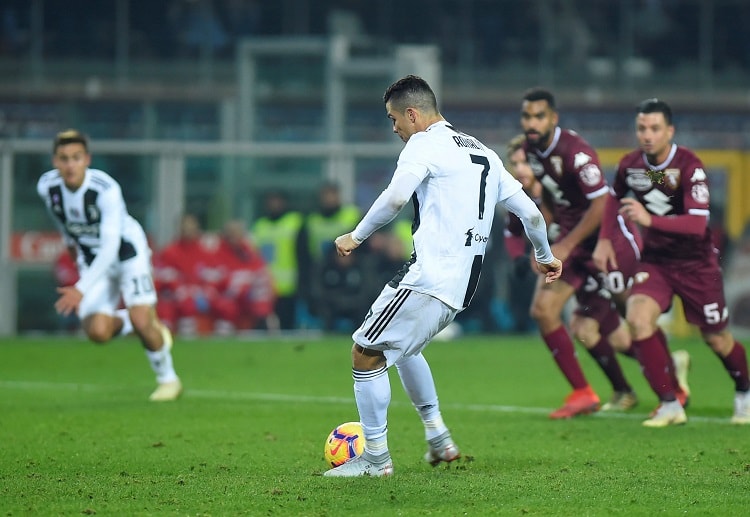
(638,179)
(74,212)
(700,193)
(591,175)
(93,212)
(672,178)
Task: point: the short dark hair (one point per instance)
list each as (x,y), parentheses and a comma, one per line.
(656,106)
(539,94)
(70,136)
(411,91)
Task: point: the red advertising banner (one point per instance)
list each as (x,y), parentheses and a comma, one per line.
(36,247)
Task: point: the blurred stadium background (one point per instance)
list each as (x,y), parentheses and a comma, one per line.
(204,105)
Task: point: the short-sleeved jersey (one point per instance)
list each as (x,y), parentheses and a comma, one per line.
(94,218)
(683,189)
(462,181)
(570,171)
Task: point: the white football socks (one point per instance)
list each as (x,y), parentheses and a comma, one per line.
(372,391)
(161,364)
(416,377)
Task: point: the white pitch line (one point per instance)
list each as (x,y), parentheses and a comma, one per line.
(280,397)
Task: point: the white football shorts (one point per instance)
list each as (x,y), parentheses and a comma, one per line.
(401,322)
(130,280)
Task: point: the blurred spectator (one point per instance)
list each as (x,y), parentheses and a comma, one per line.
(242,18)
(191,281)
(343,289)
(277,235)
(197,27)
(331,219)
(12,37)
(250,284)
(389,251)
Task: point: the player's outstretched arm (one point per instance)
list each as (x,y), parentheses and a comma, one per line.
(534,226)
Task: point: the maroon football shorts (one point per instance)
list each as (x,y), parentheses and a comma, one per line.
(598,306)
(699,284)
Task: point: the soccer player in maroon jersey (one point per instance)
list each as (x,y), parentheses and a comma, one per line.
(672,206)
(568,168)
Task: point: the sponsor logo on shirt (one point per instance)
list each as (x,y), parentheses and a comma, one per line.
(82,229)
(472,237)
(637,179)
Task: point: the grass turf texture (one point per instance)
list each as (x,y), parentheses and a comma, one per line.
(78,435)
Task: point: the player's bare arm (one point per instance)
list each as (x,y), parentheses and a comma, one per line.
(634,211)
(604,256)
(588,224)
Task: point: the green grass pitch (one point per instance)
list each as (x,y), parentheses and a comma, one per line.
(79,437)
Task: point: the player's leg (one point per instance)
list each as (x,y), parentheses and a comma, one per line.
(677,368)
(372,393)
(416,378)
(651,295)
(400,324)
(734,358)
(97,311)
(705,306)
(597,339)
(139,295)
(546,309)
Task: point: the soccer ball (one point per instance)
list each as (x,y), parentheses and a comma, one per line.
(346,442)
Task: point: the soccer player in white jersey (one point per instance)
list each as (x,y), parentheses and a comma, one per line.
(112,255)
(454,182)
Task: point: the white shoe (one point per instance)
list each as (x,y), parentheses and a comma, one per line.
(741,408)
(681,360)
(447,453)
(167,391)
(668,413)
(360,466)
